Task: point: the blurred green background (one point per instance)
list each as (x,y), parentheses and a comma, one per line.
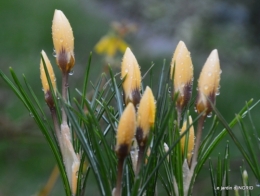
(232,27)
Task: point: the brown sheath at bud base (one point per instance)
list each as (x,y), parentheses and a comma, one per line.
(49,100)
(122,150)
(183,100)
(139,137)
(65,63)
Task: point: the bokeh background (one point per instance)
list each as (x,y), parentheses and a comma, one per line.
(232,27)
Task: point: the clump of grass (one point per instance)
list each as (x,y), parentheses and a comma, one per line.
(100,133)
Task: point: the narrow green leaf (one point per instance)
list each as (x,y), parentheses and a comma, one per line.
(226,170)
(118,94)
(14,88)
(161,81)
(248,141)
(85,83)
(212,178)
(219,174)
(239,146)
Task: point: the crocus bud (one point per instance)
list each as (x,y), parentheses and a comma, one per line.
(132,83)
(126,131)
(182,75)
(208,83)
(63,41)
(145,116)
(45,85)
(190,140)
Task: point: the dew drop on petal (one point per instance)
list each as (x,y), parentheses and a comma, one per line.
(54,53)
(169,90)
(209,115)
(71,72)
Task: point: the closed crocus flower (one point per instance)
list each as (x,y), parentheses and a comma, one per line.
(126,131)
(45,85)
(63,41)
(145,116)
(182,74)
(208,83)
(190,139)
(131,86)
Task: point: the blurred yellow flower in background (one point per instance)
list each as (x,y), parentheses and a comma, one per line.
(113,41)
(110,44)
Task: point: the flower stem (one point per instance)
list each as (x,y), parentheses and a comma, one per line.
(119,176)
(56,124)
(140,159)
(65,85)
(197,143)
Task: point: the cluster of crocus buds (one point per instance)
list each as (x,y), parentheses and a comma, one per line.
(63,41)
(132,124)
(208,87)
(182,76)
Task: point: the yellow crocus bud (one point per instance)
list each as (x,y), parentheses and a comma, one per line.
(132,83)
(208,83)
(182,77)
(126,131)
(63,41)
(45,85)
(145,116)
(190,141)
